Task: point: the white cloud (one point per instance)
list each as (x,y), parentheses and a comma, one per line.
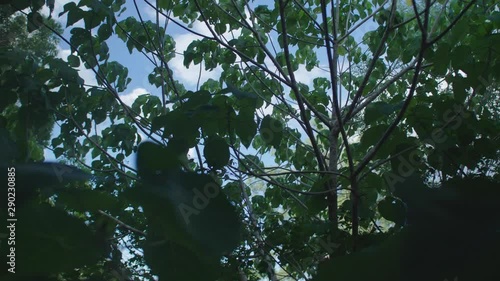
(150,14)
(268,109)
(63,53)
(129,98)
(189,76)
(202,28)
(192,153)
(307,77)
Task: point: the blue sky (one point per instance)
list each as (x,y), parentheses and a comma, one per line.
(139,66)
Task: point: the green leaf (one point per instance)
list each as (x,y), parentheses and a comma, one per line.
(75,14)
(88,200)
(37,4)
(342,50)
(377,110)
(8,98)
(104,32)
(8,153)
(197,99)
(386,255)
(171,261)
(99,115)
(240,94)
(271,131)
(49,238)
(178,124)
(67,7)
(20,4)
(317,203)
(216,151)
(58,151)
(180,202)
(35,21)
(392,209)
(495,17)
(74,61)
(404,155)
(246,127)
(153,161)
(372,135)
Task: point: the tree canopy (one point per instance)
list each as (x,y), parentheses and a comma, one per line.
(332,140)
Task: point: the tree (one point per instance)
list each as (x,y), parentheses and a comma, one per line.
(23,57)
(387,161)
(37,44)
(27,61)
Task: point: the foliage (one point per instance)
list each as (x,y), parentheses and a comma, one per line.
(37,44)
(24,72)
(386,167)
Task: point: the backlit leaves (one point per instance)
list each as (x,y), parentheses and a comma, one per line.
(271,131)
(216,152)
(186,211)
(201,133)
